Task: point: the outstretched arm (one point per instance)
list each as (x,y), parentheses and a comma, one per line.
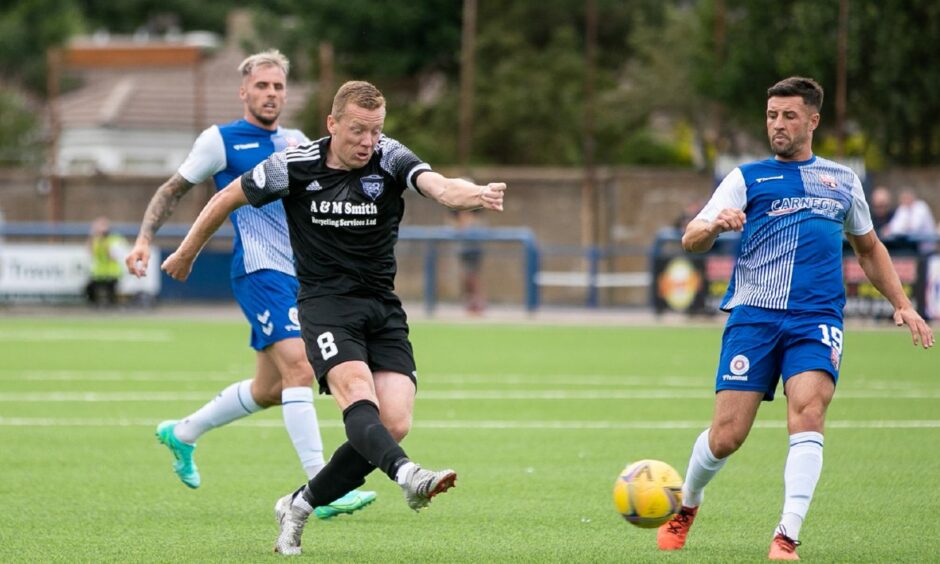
(160,208)
(460,194)
(875,261)
(179,264)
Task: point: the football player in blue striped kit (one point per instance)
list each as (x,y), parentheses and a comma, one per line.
(263,280)
(786,298)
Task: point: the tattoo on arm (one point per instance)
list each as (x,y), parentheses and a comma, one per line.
(162,204)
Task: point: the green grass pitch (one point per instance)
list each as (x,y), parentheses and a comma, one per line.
(537,421)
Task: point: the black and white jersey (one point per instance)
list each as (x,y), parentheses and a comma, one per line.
(343,223)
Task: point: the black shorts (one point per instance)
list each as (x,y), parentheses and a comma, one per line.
(339,329)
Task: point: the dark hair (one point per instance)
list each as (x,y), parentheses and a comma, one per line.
(806,88)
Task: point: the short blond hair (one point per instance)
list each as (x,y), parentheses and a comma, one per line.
(271,57)
(358,92)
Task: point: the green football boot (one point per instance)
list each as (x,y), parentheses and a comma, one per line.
(184,466)
(349,503)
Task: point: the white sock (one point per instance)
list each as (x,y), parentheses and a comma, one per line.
(234,402)
(300,418)
(804,465)
(403,471)
(702,468)
(300,502)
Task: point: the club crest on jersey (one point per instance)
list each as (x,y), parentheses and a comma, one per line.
(258,176)
(373,186)
(828,180)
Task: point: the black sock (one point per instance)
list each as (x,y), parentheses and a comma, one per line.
(346,471)
(367,435)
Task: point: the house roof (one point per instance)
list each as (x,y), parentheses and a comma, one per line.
(165,97)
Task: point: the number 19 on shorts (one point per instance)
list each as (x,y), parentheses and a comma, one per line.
(831,336)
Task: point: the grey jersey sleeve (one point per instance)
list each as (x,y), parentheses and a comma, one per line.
(268,181)
(401,163)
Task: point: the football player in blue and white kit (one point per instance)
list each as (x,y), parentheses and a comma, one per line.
(785,297)
(263,280)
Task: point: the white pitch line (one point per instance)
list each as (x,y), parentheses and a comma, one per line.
(862,389)
(121,376)
(698,387)
(78,335)
(442,395)
(566,379)
(442,379)
(484,425)
(102,397)
(648,394)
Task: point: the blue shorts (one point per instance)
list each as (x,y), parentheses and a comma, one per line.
(760,345)
(268,299)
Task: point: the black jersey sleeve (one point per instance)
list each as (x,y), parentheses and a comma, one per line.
(268,181)
(401,163)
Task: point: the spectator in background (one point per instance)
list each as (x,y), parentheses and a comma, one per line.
(691,209)
(912,219)
(470,253)
(882,209)
(107,250)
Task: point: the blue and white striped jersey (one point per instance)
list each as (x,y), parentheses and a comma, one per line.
(790,253)
(227,151)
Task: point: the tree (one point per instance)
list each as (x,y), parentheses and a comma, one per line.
(892,78)
(530,99)
(19,144)
(894,81)
(674,68)
(529,94)
(28,28)
(158,17)
(388,41)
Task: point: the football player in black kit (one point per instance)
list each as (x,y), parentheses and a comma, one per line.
(343,198)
